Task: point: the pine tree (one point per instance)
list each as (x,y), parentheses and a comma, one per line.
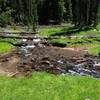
(85,13)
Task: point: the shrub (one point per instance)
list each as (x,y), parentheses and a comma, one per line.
(5,18)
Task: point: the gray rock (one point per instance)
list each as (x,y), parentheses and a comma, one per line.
(73,72)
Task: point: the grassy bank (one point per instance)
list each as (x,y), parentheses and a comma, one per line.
(68,30)
(92,44)
(5,47)
(43,86)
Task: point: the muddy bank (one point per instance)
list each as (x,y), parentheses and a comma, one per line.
(38,55)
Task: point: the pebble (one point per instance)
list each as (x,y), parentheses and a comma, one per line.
(36,40)
(96,64)
(59,61)
(73,72)
(30,46)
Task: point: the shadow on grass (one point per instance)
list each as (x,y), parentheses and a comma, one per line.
(69,31)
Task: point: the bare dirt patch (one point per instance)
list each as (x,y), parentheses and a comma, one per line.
(8,64)
(15,64)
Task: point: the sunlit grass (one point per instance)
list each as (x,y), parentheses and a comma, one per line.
(5,47)
(66,30)
(43,86)
(92,44)
(51,31)
(95,50)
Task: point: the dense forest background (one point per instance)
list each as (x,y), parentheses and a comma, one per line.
(81,13)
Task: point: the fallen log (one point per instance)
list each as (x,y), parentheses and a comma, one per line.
(46,37)
(17,37)
(20,33)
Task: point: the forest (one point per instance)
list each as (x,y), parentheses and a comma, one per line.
(81,13)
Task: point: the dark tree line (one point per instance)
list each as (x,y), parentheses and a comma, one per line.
(82,13)
(51,11)
(85,12)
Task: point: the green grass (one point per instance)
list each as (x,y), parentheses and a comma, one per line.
(70,42)
(95,50)
(44,86)
(68,29)
(5,47)
(51,31)
(77,42)
(92,43)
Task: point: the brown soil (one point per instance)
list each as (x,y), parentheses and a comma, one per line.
(13,64)
(8,64)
